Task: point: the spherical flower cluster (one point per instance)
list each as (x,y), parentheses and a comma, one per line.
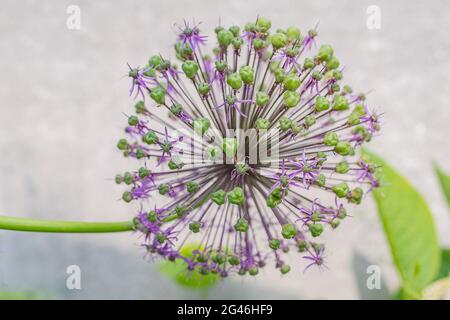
(208,189)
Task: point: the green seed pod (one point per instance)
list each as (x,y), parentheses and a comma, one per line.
(175,163)
(128,178)
(355,196)
(278,40)
(241,225)
(152,216)
(230,146)
(236,196)
(237,43)
(195,226)
(316,229)
(163,189)
(262,124)
(140,154)
(341,189)
(212,153)
(155,61)
(262,98)
(150,138)
(280,75)
(118,179)
(325,53)
(233,260)
(344,148)
(340,103)
(274,244)
(285,123)
(332,63)
(321,180)
(234,80)
(291,99)
(253,271)
(122,144)
(190,68)
(331,139)
(291,82)
(133,120)
(176,109)
(192,186)
(158,94)
(289,231)
(285,268)
(218,197)
(342,167)
(201,125)
(264,24)
(258,44)
(220,65)
(235,30)
(247,74)
(322,104)
(204,88)
(224,37)
(308,64)
(143,172)
(293,33)
(310,120)
(127,196)
(140,107)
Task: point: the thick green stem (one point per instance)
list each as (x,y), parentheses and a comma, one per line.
(33,225)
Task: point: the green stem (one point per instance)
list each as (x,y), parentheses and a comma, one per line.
(33,225)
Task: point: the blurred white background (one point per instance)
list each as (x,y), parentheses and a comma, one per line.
(62,94)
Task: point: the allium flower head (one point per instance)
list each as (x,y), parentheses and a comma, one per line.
(246,152)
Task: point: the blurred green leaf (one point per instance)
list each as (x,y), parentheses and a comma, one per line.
(19,296)
(409,228)
(444,271)
(444,181)
(189,279)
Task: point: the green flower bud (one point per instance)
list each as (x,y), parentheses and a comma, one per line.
(310,120)
(247,74)
(230,146)
(235,30)
(175,163)
(133,120)
(128,178)
(289,231)
(224,37)
(355,196)
(158,94)
(237,43)
(291,99)
(258,44)
(340,103)
(332,63)
(338,76)
(176,109)
(201,125)
(291,82)
(192,186)
(236,196)
(274,244)
(335,223)
(278,40)
(344,148)
(160,237)
(264,24)
(316,229)
(272,201)
(280,75)
(140,154)
(213,153)
(152,216)
(342,213)
(293,33)
(331,139)
(234,260)
(218,197)
(321,180)
(322,104)
(127,196)
(285,123)
(163,189)
(234,80)
(262,98)
(241,225)
(341,189)
(253,271)
(150,137)
(262,124)
(302,245)
(204,88)
(342,167)
(325,53)
(353,119)
(195,226)
(190,68)
(143,172)
(118,179)
(220,65)
(285,268)
(155,61)
(359,110)
(308,64)
(122,144)
(140,107)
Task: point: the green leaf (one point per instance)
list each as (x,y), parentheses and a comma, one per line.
(177,271)
(444,271)
(409,228)
(444,181)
